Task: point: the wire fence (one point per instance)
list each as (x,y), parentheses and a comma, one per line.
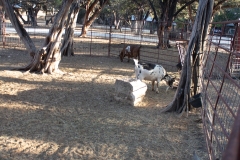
(219,78)
(102,40)
(220,87)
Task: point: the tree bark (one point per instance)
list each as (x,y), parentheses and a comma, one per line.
(32,12)
(89,20)
(196,43)
(117,20)
(168,9)
(67,45)
(19,28)
(47,59)
(20,16)
(1,19)
(49,56)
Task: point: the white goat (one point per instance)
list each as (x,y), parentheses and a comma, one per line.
(152,72)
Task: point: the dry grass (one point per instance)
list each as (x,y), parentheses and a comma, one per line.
(74,115)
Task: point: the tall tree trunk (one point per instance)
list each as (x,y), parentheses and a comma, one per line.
(85,21)
(47,59)
(199,32)
(19,28)
(117,20)
(20,16)
(32,12)
(67,45)
(168,9)
(89,20)
(1,19)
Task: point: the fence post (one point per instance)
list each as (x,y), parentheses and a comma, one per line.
(3,27)
(109,43)
(237,37)
(90,47)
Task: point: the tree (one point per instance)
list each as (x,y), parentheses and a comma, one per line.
(119,11)
(32,7)
(46,59)
(227,14)
(142,12)
(93,9)
(67,45)
(164,18)
(1,18)
(19,28)
(195,46)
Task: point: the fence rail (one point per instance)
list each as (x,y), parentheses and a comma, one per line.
(220,87)
(219,78)
(104,41)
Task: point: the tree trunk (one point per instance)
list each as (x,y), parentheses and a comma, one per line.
(89,20)
(32,12)
(19,28)
(48,58)
(1,19)
(199,32)
(20,16)
(168,9)
(67,45)
(117,20)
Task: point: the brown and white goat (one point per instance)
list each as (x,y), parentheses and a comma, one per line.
(131,51)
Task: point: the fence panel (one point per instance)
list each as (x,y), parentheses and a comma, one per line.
(220,88)
(150,52)
(219,81)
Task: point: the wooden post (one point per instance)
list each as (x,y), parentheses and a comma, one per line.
(2,26)
(109,42)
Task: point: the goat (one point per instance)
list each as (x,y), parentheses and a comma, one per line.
(152,72)
(131,51)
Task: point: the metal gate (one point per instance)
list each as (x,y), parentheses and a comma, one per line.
(220,87)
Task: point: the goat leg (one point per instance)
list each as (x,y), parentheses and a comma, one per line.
(157,87)
(153,85)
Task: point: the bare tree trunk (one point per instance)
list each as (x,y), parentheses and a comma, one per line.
(33,16)
(48,58)
(19,28)
(199,32)
(1,19)
(117,20)
(67,45)
(160,33)
(20,16)
(89,20)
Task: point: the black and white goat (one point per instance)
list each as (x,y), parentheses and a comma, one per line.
(152,72)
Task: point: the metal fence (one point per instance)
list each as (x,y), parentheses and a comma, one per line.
(105,40)
(220,87)
(219,75)
(108,41)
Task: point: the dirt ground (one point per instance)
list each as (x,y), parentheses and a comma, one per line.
(75,116)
